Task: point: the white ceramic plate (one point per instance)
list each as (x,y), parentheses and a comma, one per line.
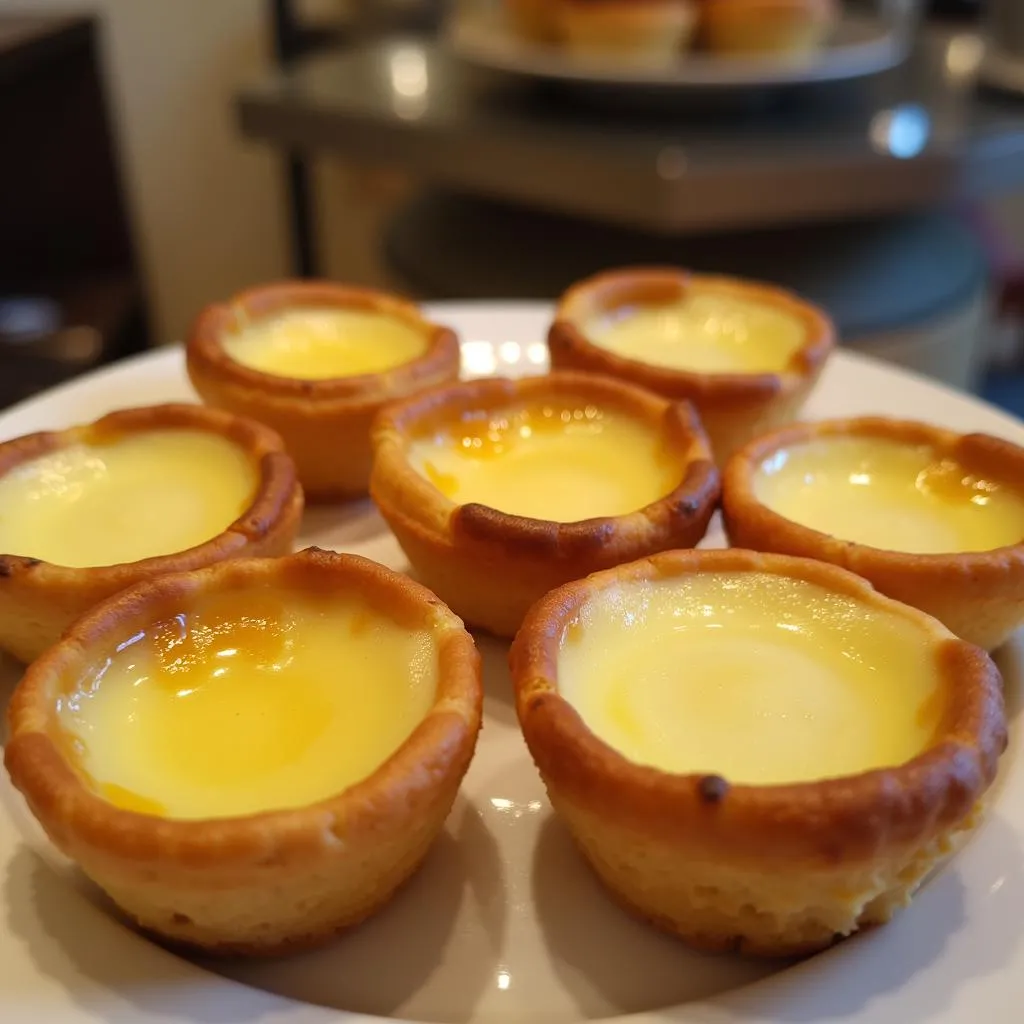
(504,923)
(862,45)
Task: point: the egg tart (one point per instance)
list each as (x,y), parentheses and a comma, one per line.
(776,27)
(644,31)
(251,757)
(499,490)
(930,517)
(745,354)
(316,361)
(755,752)
(88,511)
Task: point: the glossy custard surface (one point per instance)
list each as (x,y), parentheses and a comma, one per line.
(253,701)
(320,344)
(143,494)
(758,678)
(562,462)
(890,495)
(705,332)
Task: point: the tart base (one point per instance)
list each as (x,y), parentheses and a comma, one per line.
(710,906)
(295,911)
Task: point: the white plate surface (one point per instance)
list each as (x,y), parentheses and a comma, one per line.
(504,923)
(862,45)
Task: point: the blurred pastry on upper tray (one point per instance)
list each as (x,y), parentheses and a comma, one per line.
(91,510)
(929,516)
(637,31)
(746,354)
(533,20)
(500,490)
(316,361)
(767,27)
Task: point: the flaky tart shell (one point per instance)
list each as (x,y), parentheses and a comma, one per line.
(325,423)
(490,566)
(263,883)
(734,407)
(978,595)
(767,26)
(638,29)
(768,870)
(39,600)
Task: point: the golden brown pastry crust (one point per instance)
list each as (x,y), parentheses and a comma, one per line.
(268,882)
(38,599)
(734,407)
(325,423)
(490,566)
(772,870)
(766,26)
(978,595)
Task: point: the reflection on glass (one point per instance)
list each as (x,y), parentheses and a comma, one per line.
(901,132)
(410,82)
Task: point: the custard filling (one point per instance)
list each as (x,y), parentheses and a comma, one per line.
(143,494)
(759,678)
(253,701)
(320,344)
(561,461)
(890,495)
(704,332)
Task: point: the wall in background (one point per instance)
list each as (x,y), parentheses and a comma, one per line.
(207,206)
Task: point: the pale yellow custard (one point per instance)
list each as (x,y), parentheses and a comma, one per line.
(253,701)
(755,677)
(558,462)
(889,495)
(703,332)
(145,494)
(320,344)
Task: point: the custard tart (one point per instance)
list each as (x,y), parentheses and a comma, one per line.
(746,354)
(316,362)
(931,517)
(637,31)
(755,752)
(251,757)
(763,27)
(499,490)
(91,510)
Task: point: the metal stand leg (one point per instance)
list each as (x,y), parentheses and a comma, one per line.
(300,196)
(288,44)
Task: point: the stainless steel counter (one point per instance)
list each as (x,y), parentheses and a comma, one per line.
(916,137)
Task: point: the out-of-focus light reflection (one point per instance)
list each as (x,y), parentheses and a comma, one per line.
(901,132)
(964,54)
(410,82)
(510,352)
(504,979)
(514,808)
(478,358)
(537,354)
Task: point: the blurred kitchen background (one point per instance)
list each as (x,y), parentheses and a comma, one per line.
(162,154)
